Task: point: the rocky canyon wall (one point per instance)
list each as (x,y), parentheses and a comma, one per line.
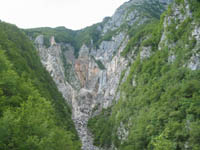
(90,82)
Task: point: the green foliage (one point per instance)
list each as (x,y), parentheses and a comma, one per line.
(108,36)
(151,8)
(179,2)
(166,98)
(32,126)
(140,36)
(195,8)
(122,75)
(182,31)
(162,112)
(32,111)
(99,63)
(62,35)
(161,142)
(102,129)
(89,35)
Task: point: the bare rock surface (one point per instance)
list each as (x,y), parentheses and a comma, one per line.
(82,81)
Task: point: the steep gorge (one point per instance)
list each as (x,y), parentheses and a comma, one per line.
(92,81)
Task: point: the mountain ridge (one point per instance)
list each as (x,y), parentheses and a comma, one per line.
(89,80)
(32,111)
(132,81)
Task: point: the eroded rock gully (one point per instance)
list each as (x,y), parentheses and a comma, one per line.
(84,83)
(94,87)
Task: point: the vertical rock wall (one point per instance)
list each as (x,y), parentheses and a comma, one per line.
(84,84)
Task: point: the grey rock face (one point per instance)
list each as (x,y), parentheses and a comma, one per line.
(51,59)
(179,14)
(145,53)
(171,58)
(196,34)
(39,40)
(194,62)
(98,87)
(122,132)
(129,14)
(166,1)
(82,108)
(81,81)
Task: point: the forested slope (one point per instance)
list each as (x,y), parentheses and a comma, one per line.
(154,105)
(159,106)
(86,64)
(33,114)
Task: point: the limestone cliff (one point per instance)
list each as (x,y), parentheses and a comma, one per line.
(90,81)
(161,88)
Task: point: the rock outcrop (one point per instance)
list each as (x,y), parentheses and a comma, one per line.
(90,82)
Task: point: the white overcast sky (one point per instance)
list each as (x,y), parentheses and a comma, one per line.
(73,14)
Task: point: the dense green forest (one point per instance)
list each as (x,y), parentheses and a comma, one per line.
(160,100)
(159,104)
(33,114)
(64,35)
